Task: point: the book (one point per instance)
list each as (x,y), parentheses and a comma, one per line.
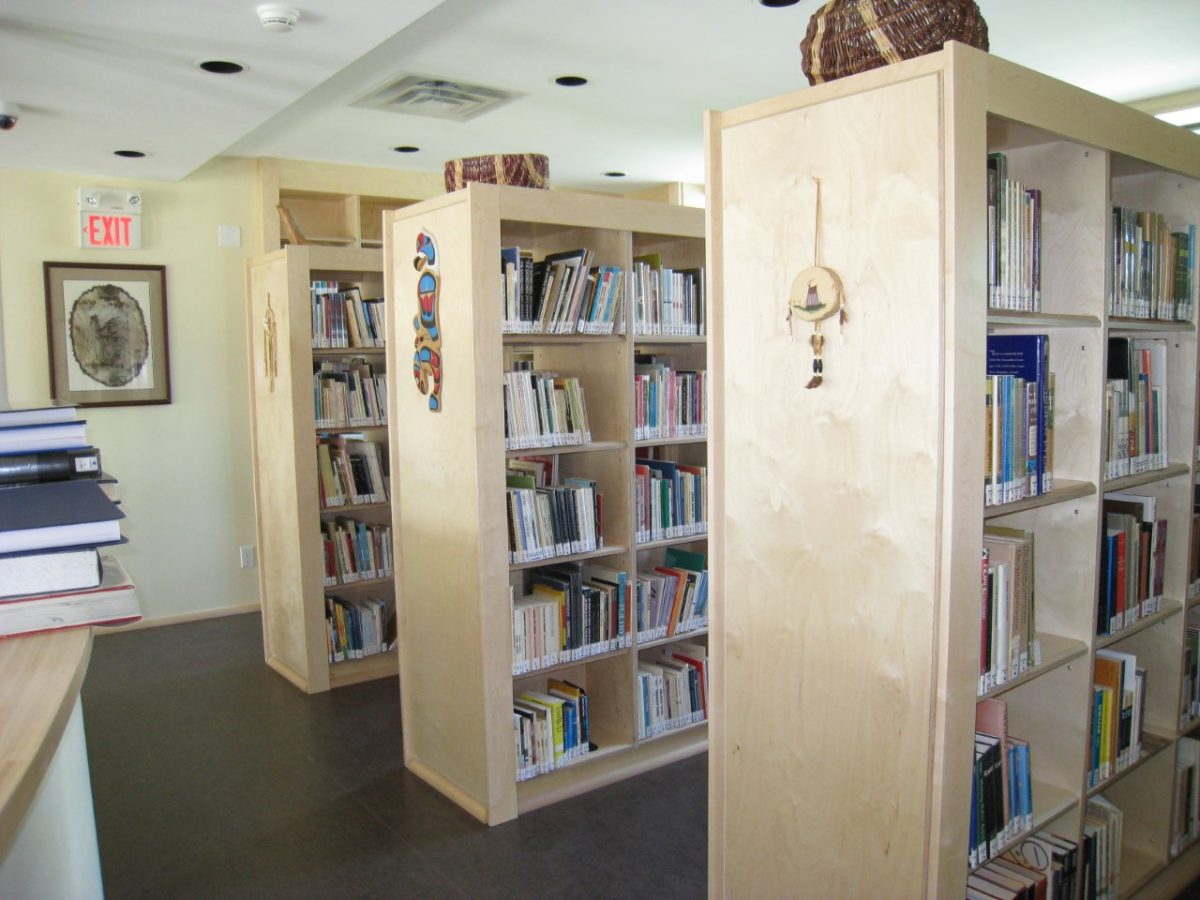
(36,414)
(49,465)
(113,602)
(49,572)
(56,514)
(1026,357)
(45,436)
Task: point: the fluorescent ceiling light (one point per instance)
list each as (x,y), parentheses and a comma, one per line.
(1188,117)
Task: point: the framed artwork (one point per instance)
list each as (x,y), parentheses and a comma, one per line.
(107,328)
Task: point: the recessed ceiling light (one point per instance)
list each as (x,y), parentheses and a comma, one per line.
(777,4)
(571,80)
(406,148)
(220,66)
(129,154)
(614,174)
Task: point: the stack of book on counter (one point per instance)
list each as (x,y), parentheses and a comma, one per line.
(57,508)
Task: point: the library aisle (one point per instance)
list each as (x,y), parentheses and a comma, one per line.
(213,777)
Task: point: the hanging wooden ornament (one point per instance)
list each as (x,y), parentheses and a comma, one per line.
(816,295)
(270,347)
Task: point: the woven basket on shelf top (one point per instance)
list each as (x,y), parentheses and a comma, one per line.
(848,36)
(520,169)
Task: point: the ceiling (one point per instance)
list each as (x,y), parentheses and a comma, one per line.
(121,74)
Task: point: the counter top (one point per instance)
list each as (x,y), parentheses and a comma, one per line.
(40,678)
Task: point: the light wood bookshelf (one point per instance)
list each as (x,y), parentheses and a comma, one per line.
(848,519)
(287,494)
(457,682)
(334,205)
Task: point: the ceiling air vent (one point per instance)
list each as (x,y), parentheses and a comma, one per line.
(423,95)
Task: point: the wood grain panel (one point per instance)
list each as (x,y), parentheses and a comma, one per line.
(810,631)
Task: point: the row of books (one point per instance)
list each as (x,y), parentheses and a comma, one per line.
(667,301)
(550,728)
(1008,644)
(358,627)
(670,499)
(1019,418)
(1103,826)
(1041,866)
(1132,561)
(1193,577)
(563,293)
(668,403)
(1153,266)
(543,409)
(672,689)
(57,509)
(1014,240)
(1118,705)
(351,469)
(356,551)
(1185,824)
(1135,405)
(544,522)
(343,318)
(672,598)
(1190,697)
(350,394)
(1001,784)
(568,613)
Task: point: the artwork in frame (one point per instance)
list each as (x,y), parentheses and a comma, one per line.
(107,328)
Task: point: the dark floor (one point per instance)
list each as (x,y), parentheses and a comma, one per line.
(213,778)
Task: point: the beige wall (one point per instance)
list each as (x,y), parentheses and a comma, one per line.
(184,468)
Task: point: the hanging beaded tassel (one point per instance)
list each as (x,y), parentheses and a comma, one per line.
(817,295)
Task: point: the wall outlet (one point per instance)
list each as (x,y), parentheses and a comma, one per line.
(246,554)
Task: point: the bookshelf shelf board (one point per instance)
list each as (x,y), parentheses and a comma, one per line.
(1125,482)
(672,732)
(1120,324)
(1050,802)
(353,507)
(608,764)
(671,441)
(1190,845)
(1056,651)
(1152,745)
(672,542)
(640,340)
(572,557)
(1187,729)
(593,447)
(670,639)
(569,664)
(522,339)
(354,671)
(386,581)
(331,240)
(1137,868)
(1064,491)
(1193,597)
(1169,608)
(344,352)
(999,318)
(347,429)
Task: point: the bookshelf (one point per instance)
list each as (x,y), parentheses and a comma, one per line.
(457,682)
(846,553)
(333,205)
(290,511)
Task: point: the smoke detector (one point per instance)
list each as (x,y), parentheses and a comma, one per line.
(277,17)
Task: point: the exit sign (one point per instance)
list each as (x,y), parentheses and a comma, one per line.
(110,219)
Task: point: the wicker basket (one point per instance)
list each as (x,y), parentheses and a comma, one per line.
(520,169)
(848,36)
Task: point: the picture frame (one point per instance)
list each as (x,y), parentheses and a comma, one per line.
(106,325)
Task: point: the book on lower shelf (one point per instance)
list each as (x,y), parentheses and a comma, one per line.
(668,402)
(1185,824)
(112,602)
(1014,240)
(1001,786)
(1153,266)
(358,627)
(1053,856)
(1118,701)
(1135,406)
(672,598)
(550,728)
(1009,645)
(356,550)
(543,409)
(666,301)
(1019,420)
(1103,826)
(1133,551)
